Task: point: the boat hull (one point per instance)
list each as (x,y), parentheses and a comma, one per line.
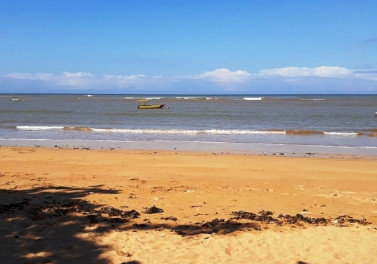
(157,106)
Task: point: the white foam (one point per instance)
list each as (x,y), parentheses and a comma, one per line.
(253,98)
(187,131)
(40,127)
(177,131)
(187,97)
(153,98)
(145,131)
(347,134)
(243,132)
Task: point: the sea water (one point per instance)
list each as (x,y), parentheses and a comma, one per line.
(244,122)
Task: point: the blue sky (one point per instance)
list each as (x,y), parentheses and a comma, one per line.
(188,46)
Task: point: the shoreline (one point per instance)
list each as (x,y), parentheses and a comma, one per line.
(136,205)
(274,149)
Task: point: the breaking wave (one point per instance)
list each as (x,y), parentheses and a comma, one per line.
(40,127)
(197,131)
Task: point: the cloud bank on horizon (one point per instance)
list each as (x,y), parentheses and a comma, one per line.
(221,80)
(183,47)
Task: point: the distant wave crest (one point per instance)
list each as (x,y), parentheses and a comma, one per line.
(253,98)
(313,99)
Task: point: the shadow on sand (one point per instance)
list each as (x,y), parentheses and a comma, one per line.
(57,225)
(40,226)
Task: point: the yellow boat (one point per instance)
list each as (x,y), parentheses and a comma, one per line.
(143,105)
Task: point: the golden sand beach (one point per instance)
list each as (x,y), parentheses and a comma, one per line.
(123,206)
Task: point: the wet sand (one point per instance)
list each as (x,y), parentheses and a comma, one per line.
(151,206)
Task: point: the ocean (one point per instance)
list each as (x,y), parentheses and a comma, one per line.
(344,124)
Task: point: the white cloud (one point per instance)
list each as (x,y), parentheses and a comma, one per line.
(322,71)
(40,76)
(125,77)
(78,79)
(370,75)
(297,79)
(332,71)
(77,74)
(225,75)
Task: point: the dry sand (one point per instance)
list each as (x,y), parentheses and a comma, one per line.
(96,206)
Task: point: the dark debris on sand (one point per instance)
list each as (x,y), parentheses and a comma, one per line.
(53,209)
(218,226)
(172,218)
(298,219)
(49,209)
(153,210)
(345,219)
(263,216)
